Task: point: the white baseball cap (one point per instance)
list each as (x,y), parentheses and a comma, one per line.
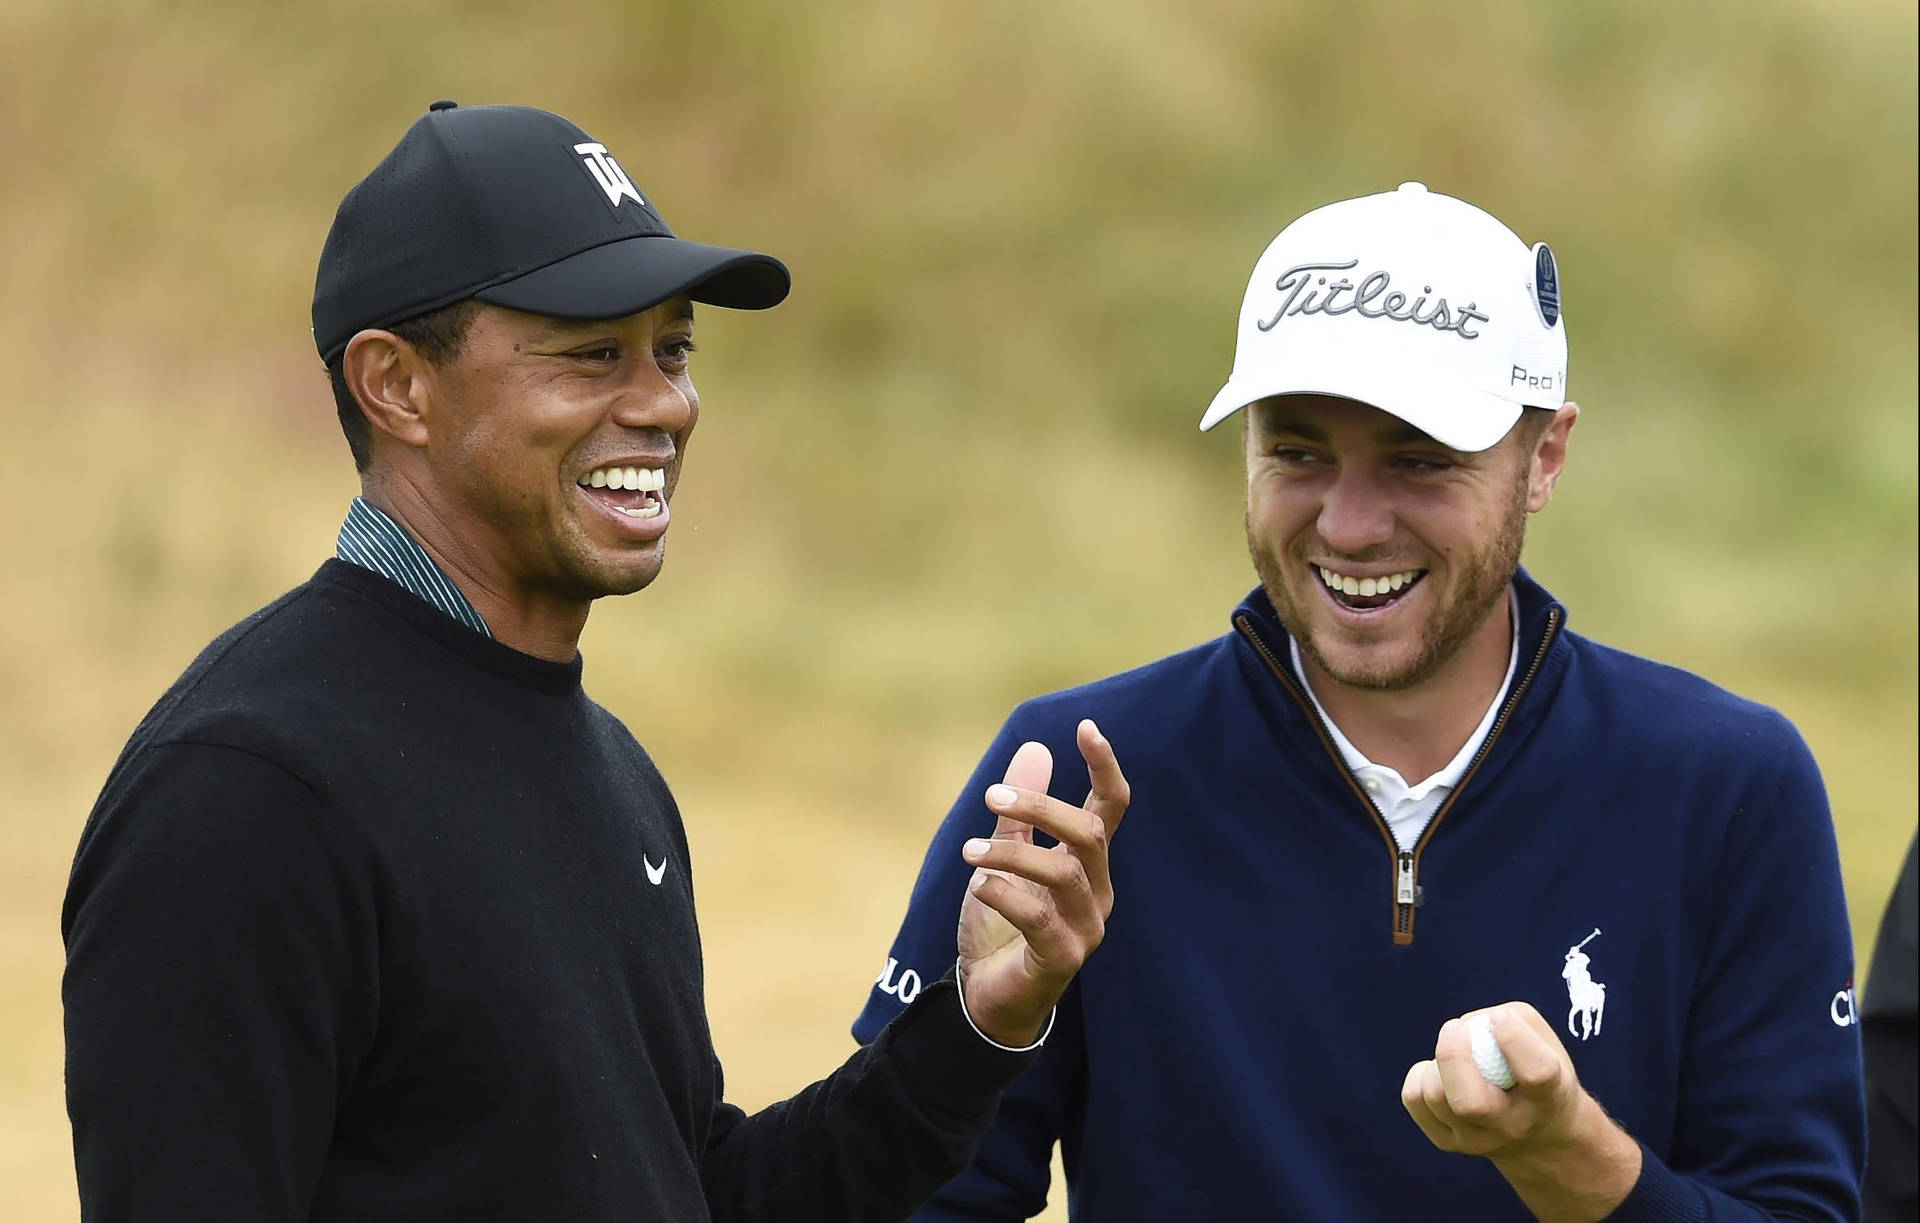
(1413,302)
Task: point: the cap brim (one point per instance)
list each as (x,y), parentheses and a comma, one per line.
(634,274)
(1463,420)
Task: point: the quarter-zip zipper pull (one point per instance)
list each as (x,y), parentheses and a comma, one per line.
(1408,894)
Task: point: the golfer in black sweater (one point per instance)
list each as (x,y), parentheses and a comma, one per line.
(378,917)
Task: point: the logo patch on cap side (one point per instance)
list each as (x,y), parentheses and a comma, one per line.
(608,174)
(1546,284)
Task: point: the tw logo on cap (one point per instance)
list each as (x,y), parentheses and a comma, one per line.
(607,172)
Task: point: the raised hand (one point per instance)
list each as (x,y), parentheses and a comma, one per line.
(1032,916)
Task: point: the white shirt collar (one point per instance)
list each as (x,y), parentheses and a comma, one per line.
(1449,775)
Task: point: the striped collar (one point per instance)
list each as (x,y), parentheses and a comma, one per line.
(372,540)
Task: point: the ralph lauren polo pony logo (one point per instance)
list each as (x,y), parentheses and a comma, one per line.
(607,172)
(1586,997)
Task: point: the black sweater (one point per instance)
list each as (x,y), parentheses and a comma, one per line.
(378,919)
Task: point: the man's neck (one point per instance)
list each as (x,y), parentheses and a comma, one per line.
(1417,731)
(531,622)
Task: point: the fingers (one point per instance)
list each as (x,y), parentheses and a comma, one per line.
(1110,794)
(1085,827)
(1030,769)
(1458,1110)
(1022,803)
(1073,826)
(1421,1088)
(1079,831)
(1541,1067)
(1059,873)
(1467,1091)
(1057,946)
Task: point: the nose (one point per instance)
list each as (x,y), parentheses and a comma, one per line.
(1355,514)
(651,400)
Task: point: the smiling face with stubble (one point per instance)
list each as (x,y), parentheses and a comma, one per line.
(1383,551)
(559,444)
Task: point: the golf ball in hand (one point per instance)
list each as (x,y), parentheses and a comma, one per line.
(1486,1053)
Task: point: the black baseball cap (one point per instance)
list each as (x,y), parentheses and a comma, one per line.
(519,208)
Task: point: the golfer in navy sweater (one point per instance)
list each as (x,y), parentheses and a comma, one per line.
(379,916)
(1398,795)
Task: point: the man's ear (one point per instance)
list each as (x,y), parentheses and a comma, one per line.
(392,383)
(1549,457)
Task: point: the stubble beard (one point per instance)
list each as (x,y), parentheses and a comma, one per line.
(565,560)
(1482,578)
(591,576)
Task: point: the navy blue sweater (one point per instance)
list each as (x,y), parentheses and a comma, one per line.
(1236,1049)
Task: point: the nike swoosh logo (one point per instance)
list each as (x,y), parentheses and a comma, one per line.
(654,873)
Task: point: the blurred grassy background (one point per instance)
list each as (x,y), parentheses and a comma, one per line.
(959,466)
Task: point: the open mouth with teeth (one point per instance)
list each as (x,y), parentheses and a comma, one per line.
(1368,594)
(637,492)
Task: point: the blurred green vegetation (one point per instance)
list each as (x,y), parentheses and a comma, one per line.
(959,466)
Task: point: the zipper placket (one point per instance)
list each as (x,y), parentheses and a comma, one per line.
(1406,863)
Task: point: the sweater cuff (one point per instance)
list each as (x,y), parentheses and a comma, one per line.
(942,1062)
(1660,1196)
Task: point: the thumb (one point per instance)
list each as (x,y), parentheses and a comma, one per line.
(1030,769)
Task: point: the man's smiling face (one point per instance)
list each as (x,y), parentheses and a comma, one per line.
(556,447)
(1382,550)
